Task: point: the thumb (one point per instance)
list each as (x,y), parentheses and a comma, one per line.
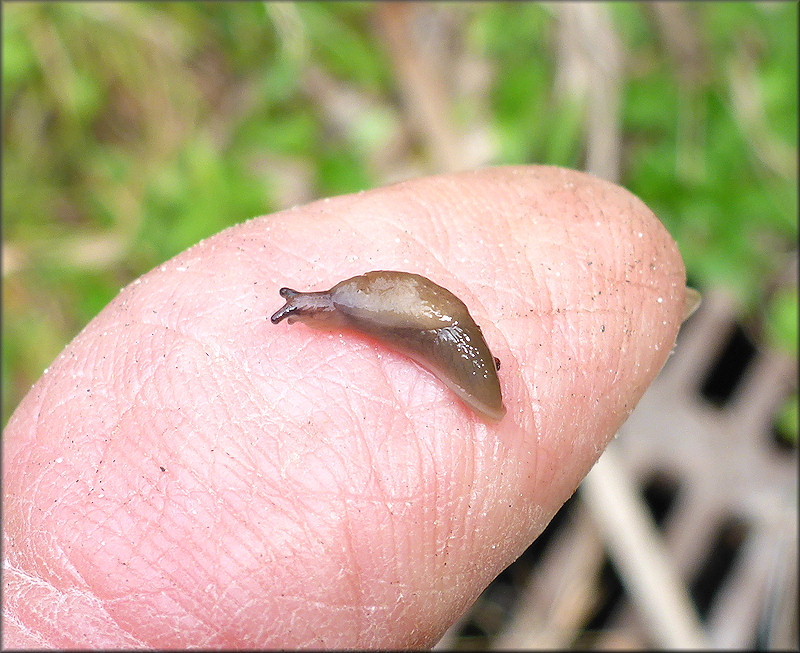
(188,474)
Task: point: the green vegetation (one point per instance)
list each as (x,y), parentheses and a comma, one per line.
(133,130)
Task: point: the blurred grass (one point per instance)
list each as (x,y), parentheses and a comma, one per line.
(133,130)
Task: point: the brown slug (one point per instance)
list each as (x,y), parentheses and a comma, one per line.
(417,317)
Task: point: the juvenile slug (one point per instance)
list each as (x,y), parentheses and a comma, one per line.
(417,317)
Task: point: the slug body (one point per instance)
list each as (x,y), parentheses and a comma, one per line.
(417,317)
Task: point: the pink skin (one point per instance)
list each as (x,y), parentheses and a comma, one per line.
(187,473)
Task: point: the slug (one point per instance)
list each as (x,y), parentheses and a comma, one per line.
(415,316)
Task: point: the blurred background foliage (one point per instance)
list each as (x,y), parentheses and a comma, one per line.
(133,130)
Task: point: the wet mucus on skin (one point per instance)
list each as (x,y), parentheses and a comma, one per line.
(415,316)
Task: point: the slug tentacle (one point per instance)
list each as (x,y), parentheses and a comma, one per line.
(414,315)
(303,304)
(288,308)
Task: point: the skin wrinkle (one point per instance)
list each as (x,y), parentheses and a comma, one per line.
(228,607)
(354,576)
(468,465)
(463,473)
(440,246)
(434,507)
(416,203)
(61,599)
(398,409)
(422,251)
(384,357)
(24,635)
(387,504)
(437,238)
(412,496)
(30,499)
(412,489)
(454,530)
